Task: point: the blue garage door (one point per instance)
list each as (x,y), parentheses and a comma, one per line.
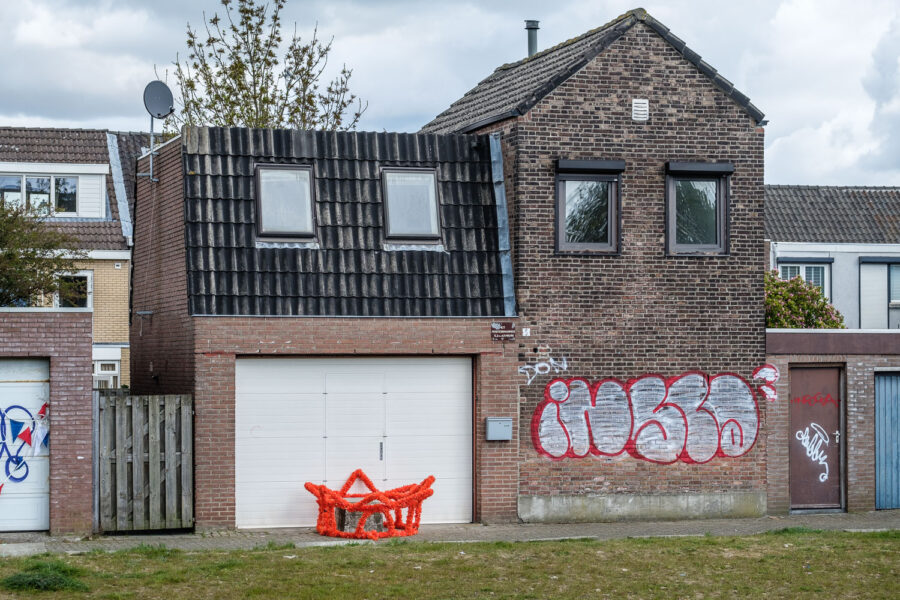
(887,441)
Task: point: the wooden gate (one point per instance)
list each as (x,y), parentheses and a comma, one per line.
(143,449)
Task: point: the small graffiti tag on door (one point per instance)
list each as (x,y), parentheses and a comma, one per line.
(690,418)
(813,446)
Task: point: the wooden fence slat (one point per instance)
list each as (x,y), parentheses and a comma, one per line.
(107,412)
(187,461)
(173,519)
(143,445)
(154,458)
(138,425)
(122,492)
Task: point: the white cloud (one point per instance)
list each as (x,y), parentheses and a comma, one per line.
(825,72)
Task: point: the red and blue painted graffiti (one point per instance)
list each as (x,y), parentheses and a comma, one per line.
(22,435)
(691,417)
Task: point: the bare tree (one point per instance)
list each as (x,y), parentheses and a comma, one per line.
(236,75)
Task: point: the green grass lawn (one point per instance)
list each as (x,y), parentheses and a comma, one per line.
(788,564)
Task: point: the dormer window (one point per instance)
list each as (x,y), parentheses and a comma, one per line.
(44,194)
(284,201)
(411,204)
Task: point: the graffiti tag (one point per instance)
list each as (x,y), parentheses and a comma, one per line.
(690,418)
(817,399)
(813,446)
(544,367)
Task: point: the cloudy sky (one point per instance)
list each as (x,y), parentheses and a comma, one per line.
(825,72)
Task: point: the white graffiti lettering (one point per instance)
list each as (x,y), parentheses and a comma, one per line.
(813,446)
(544,367)
(690,418)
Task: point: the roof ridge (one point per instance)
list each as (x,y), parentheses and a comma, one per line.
(638,13)
(832,187)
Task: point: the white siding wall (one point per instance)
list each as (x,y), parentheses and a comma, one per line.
(91,199)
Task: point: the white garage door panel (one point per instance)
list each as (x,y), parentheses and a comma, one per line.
(445,414)
(287,416)
(281,499)
(299,419)
(25,504)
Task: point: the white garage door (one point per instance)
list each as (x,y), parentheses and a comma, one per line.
(305,419)
(24,469)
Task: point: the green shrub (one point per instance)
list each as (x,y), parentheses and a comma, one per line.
(45,576)
(797,304)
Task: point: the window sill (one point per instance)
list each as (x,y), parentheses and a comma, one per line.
(287,243)
(422,247)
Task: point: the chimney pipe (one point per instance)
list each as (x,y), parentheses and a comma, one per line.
(532,27)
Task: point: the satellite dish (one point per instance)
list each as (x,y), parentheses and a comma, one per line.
(158,100)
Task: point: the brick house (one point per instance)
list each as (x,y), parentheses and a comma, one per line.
(344,300)
(841,388)
(51,356)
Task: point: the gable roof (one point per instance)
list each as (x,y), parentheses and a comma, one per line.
(799,213)
(77,146)
(512,89)
(350,269)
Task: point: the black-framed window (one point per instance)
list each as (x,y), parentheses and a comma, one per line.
(411,204)
(284,201)
(75,290)
(697,208)
(587,205)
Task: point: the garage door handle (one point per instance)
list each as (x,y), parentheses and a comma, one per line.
(380,450)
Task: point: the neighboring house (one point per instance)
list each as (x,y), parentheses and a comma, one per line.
(575,241)
(841,388)
(845,240)
(50,354)
(84,180)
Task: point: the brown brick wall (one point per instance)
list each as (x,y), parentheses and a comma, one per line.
(161,344)
(640,312)
(219,340)
(65,339)
(859,434)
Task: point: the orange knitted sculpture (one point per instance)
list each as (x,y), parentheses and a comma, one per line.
(390,504)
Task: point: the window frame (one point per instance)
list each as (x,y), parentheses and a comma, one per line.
(285,235)
(89,275)
(23,177)
(720,173)
(109,376)
(417,238)
(589,170)
(802,264)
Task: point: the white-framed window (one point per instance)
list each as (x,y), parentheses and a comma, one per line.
(411,204)
(817,274)
(106,374)
(55,195)
(76,290)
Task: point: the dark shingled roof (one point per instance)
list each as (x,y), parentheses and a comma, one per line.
(130,145)
(23,144)
(350,273)
(78,146)
(514,88)
(799,213)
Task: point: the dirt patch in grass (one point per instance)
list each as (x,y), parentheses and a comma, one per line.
(790,564)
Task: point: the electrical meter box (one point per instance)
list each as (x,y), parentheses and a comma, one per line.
(499,429)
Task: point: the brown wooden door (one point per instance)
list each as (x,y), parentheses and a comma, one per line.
(815,437)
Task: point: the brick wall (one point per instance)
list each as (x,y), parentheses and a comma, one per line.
(65,339)
(110,299)
(161,352)
(859,435)
(640,312)
(219,340)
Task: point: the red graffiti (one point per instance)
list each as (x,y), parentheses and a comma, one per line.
(691,417)
(817,399)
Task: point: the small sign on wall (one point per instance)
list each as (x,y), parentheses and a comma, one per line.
(503,331)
